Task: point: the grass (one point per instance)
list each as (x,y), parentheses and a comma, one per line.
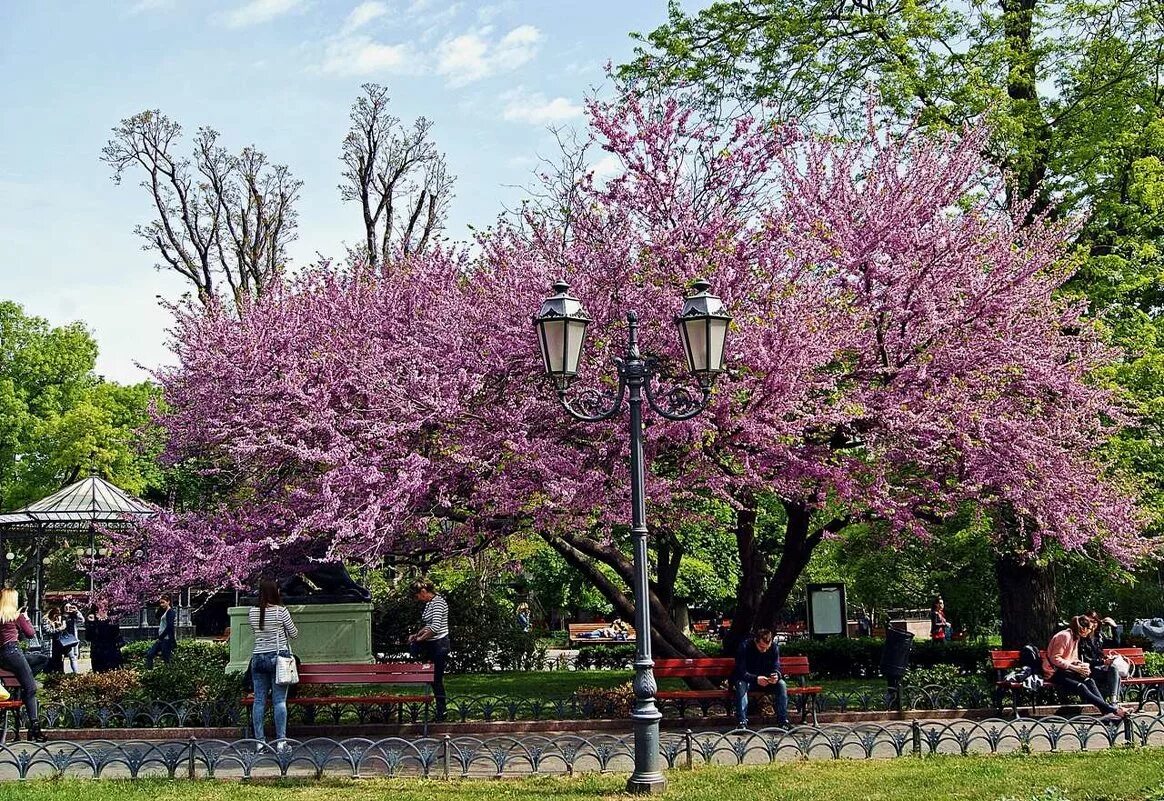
(1118,775)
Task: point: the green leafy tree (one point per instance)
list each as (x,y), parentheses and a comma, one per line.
(1072,92)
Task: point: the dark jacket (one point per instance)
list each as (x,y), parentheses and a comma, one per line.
(751,663)
(166,629)
(1091,651)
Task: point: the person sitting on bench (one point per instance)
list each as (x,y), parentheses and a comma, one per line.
(1063,668)
(758,669)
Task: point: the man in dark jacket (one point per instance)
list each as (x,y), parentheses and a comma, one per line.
(758,670)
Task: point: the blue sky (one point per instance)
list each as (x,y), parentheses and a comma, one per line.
(279,74)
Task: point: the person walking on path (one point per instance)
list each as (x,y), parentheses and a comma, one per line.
(167,633)
(431,642)
(14,624)
(274,629)
(1063,668)
(758,669)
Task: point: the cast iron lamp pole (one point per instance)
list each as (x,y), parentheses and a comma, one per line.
(561,324)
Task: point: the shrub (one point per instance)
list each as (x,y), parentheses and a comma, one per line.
(112,687)
(196,673)
(948,677)
(1153,664)
(860,657)
(614,702)
(605,657)
(484,631)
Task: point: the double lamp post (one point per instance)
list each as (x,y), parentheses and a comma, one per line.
(561,327)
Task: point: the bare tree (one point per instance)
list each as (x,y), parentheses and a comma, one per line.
(220,217)
(398,176)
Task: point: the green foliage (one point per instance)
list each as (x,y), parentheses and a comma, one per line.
(1153,664)
(860,657)
(60,421)
(196,672)
(112,687)
(605,657)
(946,676)
(612,702)
(483,629)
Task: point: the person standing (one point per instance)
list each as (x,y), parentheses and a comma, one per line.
(431,641)
(940,627)
(14,624)
(167,638)
(54,626)
(104,636)
(274,629)
(758,669)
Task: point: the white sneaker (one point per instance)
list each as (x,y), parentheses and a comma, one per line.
(282,746)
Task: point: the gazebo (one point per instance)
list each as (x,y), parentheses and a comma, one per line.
(78,509)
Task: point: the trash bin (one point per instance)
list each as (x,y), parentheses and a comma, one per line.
(895,662)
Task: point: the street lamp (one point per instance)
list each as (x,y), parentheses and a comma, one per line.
(561,326)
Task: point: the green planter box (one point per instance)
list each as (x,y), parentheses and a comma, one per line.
(327,633)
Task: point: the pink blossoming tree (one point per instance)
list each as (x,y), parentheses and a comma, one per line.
(899,351)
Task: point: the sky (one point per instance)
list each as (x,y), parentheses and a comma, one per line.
(281,75)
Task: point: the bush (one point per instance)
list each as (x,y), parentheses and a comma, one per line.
(196,673)
(483,629)
(93,689)
(614,702)
(605,657)
(860,657)
(948,677)
(1153,664)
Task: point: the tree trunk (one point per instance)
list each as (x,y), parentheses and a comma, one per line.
(799,543)
(753,572)
(667,639)
(1026,597)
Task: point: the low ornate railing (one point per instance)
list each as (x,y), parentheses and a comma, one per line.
(493,708)
(463,756)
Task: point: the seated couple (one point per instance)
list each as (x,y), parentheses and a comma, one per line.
(758,670)
(1070,672)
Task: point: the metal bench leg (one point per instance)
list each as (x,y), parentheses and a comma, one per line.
(4,727)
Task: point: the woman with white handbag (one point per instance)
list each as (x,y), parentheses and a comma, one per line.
(272,663)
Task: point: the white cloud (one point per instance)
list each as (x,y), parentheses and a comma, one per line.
(257,12)
(471,56)
(363,14)
(534,108)
(607,167)
(360,55)
(145,6)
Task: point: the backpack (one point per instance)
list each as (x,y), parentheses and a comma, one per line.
(1029,658)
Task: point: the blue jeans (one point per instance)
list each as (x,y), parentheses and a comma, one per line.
(778,691)
(164,648)
(263,676)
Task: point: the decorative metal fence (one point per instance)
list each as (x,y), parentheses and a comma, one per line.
(462,756)
(493,708)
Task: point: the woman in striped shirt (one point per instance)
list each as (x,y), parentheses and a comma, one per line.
(432,640)
(274,629)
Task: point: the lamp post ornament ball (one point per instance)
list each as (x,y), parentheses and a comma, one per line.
(703,324)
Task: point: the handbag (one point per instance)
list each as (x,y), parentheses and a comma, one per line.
(1121,665)
(67,639)
(286,671)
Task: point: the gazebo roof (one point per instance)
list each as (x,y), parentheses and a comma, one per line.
(90,501)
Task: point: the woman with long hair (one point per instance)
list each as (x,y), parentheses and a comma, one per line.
(274,629)
(1063,667)
(13,624)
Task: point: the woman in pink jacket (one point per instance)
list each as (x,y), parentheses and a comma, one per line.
(1063,668)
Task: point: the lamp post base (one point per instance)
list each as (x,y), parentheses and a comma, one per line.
(647,785)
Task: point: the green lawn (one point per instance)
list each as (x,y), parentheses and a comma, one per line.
(1133,775)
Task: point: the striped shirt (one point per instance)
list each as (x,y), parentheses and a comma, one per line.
(278,629)
(435,617)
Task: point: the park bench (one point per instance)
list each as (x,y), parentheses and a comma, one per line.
(576,630)
(12,705)
(386,673)
(720,669)
(1004,661)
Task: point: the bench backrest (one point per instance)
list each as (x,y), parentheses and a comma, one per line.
(1009,660)
(721,667)
(388,673)
(8,678)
